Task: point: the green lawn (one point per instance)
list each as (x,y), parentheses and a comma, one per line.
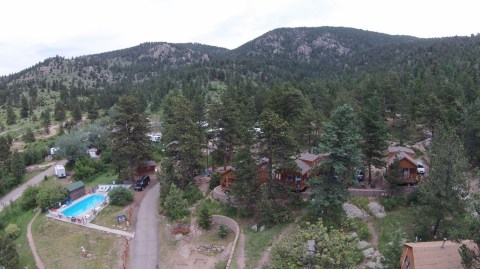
(257,242)
(26,256)
(400,220)
(103,178)
(59,245)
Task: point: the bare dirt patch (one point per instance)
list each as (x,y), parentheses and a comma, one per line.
(201,249)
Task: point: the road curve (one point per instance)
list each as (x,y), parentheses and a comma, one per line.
(16,193)
(144,248)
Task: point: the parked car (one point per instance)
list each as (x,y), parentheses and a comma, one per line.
(142,183)
(359,175)
(420,168)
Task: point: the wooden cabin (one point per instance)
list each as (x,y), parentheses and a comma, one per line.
(433,255)
(228,176)
(297,179)
(76,190)
(408,164)
(145,168)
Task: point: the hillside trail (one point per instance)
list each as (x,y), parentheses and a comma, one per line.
(369,220)
(31,243)
(266,257)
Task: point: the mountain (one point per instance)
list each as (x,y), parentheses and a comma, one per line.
(279,56)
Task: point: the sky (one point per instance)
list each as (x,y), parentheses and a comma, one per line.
(33,30)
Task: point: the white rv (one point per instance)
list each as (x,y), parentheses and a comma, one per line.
(154,138)
(60,171)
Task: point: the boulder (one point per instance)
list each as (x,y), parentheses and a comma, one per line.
(262,228)
(367,253)
(377,209)
(363,245)
(254,228)
(353,211)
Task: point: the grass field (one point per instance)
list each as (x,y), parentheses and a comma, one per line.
(400,220)
(59,245)
(257,242)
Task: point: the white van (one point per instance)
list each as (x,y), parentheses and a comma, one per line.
(60,171)
(420,168)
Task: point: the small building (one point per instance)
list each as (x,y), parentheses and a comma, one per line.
(433,255)
(297,179)
(228,176)
(76,190)
(93,153)
(407,163)
(155,137)
(145,168)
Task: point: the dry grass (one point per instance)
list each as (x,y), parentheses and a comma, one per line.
(58,244)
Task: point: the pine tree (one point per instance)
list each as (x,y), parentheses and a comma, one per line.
(25,107)
(341,140)
(277,142)
(11,117)
(59,112)
(93,112)
(443,190)
(29,136)
(373,128)
(46,120)
(8,253)
(129,140)
(180,126)
(17,166)
(176,207)
(246,178)
(204,217)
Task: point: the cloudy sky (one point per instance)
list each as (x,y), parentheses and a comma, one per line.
(32,30)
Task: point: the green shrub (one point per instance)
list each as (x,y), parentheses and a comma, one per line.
(204,217)
(229,210)
(214,181)
(29,197)
(50,195)
(12,231)
(192,194)
(364,232)
(392,202)
(222,231)
(86,168)
(175,206)
(8,253)
(120,196)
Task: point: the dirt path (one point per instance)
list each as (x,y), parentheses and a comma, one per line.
(266,257)
(38,261)
(371,227)
(241,251)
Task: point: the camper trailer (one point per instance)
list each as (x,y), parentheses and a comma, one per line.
(60,171)
(155,138)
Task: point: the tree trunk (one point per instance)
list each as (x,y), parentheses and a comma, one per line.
(435,228)
(370,175)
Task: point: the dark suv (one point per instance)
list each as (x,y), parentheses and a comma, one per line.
(142,183)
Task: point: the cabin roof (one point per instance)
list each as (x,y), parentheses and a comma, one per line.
(431,255)
(75,185)
(400,149)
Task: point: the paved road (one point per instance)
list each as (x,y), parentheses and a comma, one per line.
(16,193)
(144,248)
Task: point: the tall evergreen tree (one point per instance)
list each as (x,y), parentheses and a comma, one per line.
(4,151)
(277,142)
(443,190)
(246,178)
(46,120)
(93,111)
(373,127)
(11,117)
(17,166)
(25,107)
(29,136)
(341,140)
(180,126)
(129,140)
(59,112)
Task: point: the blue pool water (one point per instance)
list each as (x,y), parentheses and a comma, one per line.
(84,205)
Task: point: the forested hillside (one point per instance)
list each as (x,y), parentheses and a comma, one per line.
(422,82)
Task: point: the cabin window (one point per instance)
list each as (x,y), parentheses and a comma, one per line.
(407,262)
(289,178)
(406,172)
(298,179)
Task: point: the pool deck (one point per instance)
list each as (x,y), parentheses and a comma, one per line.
(85,218)
(97,227)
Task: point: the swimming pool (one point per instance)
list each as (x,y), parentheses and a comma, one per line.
(83,205)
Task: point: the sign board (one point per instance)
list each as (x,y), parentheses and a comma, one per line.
(121,218)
